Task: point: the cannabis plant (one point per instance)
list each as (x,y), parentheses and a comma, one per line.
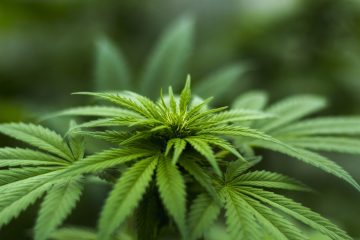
(177,167)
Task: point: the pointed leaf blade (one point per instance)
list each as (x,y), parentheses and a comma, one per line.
(125,196)
(172,192)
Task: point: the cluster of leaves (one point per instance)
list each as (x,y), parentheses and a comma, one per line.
(179,162)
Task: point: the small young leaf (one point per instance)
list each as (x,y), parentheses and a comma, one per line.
(179,147)
(185,96)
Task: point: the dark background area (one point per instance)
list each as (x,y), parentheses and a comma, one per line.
(47,51)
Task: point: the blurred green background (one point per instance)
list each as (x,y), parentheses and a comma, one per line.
(47,51)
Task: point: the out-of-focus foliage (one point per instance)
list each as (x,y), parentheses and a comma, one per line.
(292,46)
(166,65)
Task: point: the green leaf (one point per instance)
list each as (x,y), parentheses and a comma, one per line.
(76,143)
(179,146)
(39,137)
(165,66)
(237,168)
(91,111)
(292,109)
(185,96)
(104,160)
(125,196)
(16,174)
(197,115)
(252,100)
(275,225)
(198,105)
(297,211)
(241,132)
(204,149)
(123,100)
(220,82)
(204,211)
(147,103)
(111,70)
(19,181)
(173,105)
(331,144)
(240,221)
(221,143)
(12,210)
(18,195)
(102,122)
(239,115)
(57,205)
(199,174)
(131,121)
(172,192)
(323,126)
(111,136)
(20,157)
(70,233)
(265,179)
(150,215)
(313,159)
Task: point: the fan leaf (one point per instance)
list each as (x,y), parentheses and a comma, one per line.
(125,196)
(204,211)
(57,205)
(39,137)
(172,192)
